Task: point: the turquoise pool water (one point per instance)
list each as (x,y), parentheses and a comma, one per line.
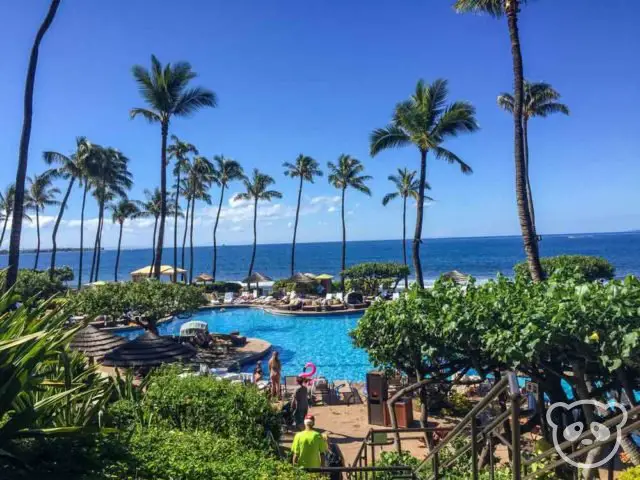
(323,340)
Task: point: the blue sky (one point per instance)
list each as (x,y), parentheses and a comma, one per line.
(317,77)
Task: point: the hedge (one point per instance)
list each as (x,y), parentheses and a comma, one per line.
(588,267)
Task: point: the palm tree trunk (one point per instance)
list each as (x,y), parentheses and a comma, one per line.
(191,243)
(525,134)
(4,229)
(163,201)
(96,244)
(404,239)
(23,156)
(153,248)
(99,250)
(175,230)
(528,233)
(295,229)
(63,205)
(417,236)
(215,230)
(344,245)
(35,265)
(255,236)
(84,201)
(115,272)
(186,229)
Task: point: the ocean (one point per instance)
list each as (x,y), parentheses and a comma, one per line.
(481,257)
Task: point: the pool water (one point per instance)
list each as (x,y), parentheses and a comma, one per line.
(323,340)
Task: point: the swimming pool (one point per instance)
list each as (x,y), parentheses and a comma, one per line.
(323,340)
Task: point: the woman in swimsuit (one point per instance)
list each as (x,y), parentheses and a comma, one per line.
(275,370)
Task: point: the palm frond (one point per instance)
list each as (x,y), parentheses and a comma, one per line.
(450,157)
(495,8)
(550,108)
(458,117)
(506,102)
(388,197)
(148,115)
(390,136)
(194,99)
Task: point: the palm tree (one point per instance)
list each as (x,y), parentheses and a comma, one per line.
(510,9)
(305,168)
(539,101)
(425,121)
(225,171)
(112,180)
(178,151)
(120,212)
(165,91)
(41,194)
(151,208)
(199,179)
(71,168)
(347,173)
(23,156)
(406,186)
(256,190)
(89,175)
(6,208)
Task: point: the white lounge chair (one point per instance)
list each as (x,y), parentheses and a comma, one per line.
(255,294)
(228,297)
(329,296)
(339,296)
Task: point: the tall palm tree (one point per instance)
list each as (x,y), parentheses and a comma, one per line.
(6,208)
(406,186)
(426,121)
(511,9)
(23,155)
(256,190)
(151,208)
(120,212)
(199,180)
(225,171)
(178,151)
(113,179)
(41,194)
(185,189)
(347,174)
(306,169)
(539,101)
(71,168)
(166,93)
(89,175)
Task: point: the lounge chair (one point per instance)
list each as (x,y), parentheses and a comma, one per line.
(290,385)
(228,298)
(339,296)
(321,388)
(329,296)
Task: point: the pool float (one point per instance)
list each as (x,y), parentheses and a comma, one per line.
(308,375)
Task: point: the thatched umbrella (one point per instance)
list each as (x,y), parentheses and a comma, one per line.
(458,277)
(95,343)
(256,277)
(148,350)
(301,278)
(204,278)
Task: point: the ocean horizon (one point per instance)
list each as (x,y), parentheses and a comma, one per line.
(482,257)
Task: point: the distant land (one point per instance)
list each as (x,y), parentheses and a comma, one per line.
(44,250)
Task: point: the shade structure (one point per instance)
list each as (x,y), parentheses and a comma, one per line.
(192,328)
(148,350)
(324,276)
(301,278)
(99,283)
(166,270)
(458,277)
(257,277)
(95,343)
(203,277)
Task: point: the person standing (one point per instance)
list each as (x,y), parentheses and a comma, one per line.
(275,372)
(308,447)
(300,403)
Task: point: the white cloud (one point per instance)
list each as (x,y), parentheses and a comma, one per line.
(325,199)
(290,225)
(45,221)
(233,203)
(237,228)
(331,209)
(88,223)
(350,212)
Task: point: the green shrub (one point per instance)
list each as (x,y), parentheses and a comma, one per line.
(459,402)
(393,459)
(630,474)
(35,284)
(369,277)
(123,414)
(151,299)
(223,287)
(205,404)
(587,267)
(301,288)
(64,273)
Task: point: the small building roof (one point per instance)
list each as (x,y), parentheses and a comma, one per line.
(149,350)
(95,343)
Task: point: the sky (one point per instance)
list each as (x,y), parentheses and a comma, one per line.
(316,78)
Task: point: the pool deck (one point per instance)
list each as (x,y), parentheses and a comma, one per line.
(255,349)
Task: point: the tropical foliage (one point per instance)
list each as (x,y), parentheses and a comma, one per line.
(149,300)
(369,277)
(347,173)
(166,92)
(585,267)
(36,284)
(426,121)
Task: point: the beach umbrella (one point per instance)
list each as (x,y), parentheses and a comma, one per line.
(148,350)
(458,277)
(324,276)
(325,281)
(301,278)
(204,278)
(256,277)
(192,328)
(95,343)
(166,270)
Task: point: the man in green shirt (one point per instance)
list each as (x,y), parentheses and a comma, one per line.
(308,446)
